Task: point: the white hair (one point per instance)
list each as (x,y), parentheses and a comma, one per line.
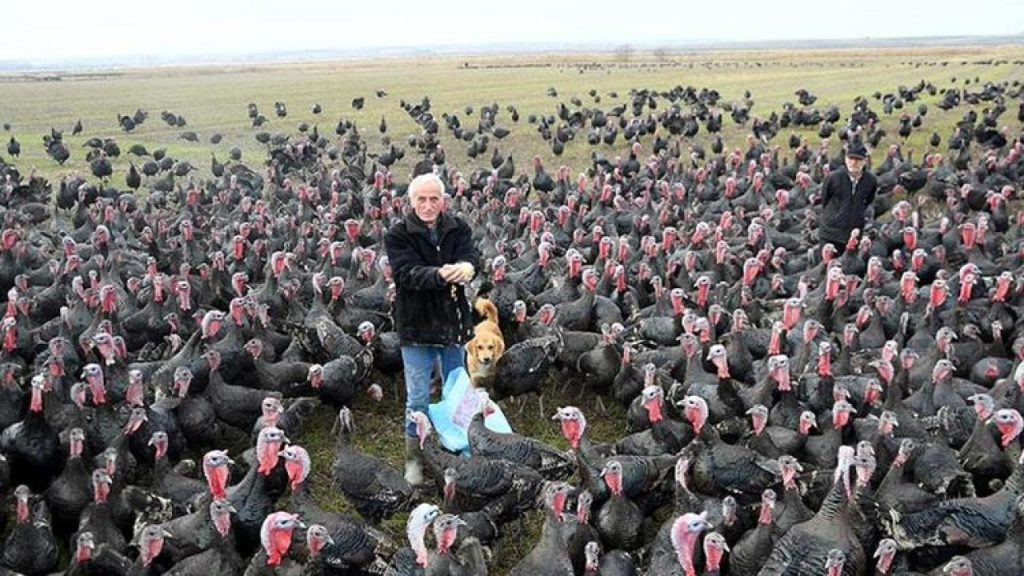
(423,180)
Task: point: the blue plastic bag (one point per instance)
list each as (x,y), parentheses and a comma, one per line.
(452,415)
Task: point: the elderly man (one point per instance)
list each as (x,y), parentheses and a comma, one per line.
(432,256)
(846,198)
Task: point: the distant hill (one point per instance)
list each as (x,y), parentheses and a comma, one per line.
(213,59)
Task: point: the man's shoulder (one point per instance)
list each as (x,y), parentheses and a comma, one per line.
(397,230)
(454,222)
(834,179)
(399,225)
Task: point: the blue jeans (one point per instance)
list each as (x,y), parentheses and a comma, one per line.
(420,363)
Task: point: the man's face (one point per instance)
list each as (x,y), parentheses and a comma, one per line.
(427,203)
(854,166)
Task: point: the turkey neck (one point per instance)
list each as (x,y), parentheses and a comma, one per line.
(570,289)
(834,503)
(187,350)
(785,412)
(1015,534)
(695,371)
(896,391)
(477,431)
(708,437)
(438,458)
(270,284)
(165,405)
(685,501)
(1011,490)
(586,299)
(162,468)
(1013,453)
(590,466)
(302,500)
(927,392)
(844,435)
(37,422)
(892,477)
(297,312)
(792,502)
(249,482)
(825,312)
(551,542)
(760,392)
(470,556)
(981,439)
(728,394)
(344,443)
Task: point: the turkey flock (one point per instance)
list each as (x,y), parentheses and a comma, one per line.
(787,410)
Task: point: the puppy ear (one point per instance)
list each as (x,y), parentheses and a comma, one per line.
(499,348)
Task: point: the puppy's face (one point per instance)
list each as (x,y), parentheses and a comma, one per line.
(486,348)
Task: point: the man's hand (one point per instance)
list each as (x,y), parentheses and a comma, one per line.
(466,272)
(448,272)
(459,273)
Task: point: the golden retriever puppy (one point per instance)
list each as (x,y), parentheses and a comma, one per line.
(487,345)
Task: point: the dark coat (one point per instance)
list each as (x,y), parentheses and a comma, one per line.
(843,209)
(428,311)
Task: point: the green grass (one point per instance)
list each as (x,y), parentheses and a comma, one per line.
(214,100)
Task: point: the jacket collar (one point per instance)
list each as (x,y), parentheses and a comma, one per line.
(445,222)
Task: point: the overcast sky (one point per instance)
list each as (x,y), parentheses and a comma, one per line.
(69,29)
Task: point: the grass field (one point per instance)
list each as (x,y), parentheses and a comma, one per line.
(214,99)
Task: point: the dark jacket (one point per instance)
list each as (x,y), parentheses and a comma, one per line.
(843,208)
(429,311)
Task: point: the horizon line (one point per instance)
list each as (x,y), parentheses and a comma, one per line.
(148,60)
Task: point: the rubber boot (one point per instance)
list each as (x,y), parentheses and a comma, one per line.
(413,462)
